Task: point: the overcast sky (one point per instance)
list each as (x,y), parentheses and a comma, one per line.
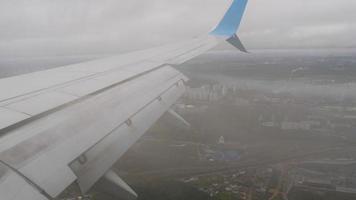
(67,27)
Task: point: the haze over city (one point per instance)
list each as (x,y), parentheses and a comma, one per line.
(85,116)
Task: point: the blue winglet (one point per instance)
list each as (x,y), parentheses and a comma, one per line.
(232,19)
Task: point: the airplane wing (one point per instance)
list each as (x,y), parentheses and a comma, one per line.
(72,123)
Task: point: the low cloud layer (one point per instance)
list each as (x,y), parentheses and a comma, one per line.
(67,27)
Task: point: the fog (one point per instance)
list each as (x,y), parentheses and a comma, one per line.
(42,28)
(257,118)
(277,123)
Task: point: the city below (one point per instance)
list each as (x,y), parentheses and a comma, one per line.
(269,125)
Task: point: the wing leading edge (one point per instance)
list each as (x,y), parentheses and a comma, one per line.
(71,124)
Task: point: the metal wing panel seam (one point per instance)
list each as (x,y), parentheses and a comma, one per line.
(38,116)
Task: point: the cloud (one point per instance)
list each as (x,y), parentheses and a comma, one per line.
(59,27)
(305,32)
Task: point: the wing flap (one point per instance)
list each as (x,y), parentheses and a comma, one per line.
(23,189)
(37,149)
(103,155)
